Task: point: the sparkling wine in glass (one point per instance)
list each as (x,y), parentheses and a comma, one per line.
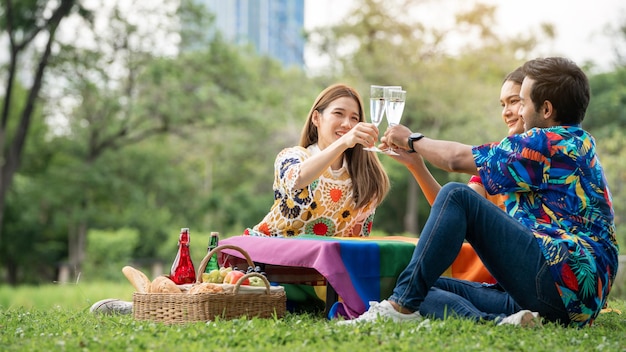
(377,109)
(394,107)
(394,100)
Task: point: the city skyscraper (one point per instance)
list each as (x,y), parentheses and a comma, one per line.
(274,27)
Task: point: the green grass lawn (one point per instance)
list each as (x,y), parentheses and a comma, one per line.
(57,318)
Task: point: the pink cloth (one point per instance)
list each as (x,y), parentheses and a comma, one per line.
(323,256)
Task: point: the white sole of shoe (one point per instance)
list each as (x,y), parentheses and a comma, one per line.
(108,306)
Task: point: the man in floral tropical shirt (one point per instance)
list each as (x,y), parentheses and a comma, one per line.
(554,255)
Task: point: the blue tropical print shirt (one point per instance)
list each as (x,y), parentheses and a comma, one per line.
(554,184)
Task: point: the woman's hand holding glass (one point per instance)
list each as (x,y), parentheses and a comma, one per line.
(362,133)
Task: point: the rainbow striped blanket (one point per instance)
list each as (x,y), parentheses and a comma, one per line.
(360,269)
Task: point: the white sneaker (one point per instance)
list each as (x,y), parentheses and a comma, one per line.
(523,318)
(384,311)
(112,306)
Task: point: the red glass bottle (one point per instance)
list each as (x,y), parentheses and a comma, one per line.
(183,271)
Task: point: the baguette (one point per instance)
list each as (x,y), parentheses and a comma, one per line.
(163,284)
(138,279)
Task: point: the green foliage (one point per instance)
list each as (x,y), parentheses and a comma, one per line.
(196,19)
(189,139)
(107,167)
(607,100)
(26,16)
(51,318)
(611,145)
(28,244)
(108,251)
(606,119)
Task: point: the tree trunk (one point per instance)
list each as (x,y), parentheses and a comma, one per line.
(77,243)
(12,154)
(81,245)
(72,248)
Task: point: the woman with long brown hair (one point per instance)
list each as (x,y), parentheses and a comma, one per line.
(328,185)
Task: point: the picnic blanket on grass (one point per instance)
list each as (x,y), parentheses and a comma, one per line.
(360,269)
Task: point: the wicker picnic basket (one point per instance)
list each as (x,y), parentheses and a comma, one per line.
(184,308)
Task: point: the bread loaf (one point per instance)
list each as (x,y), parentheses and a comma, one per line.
(207,287)
(163,284)
(138,279)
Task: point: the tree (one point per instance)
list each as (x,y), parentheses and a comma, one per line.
(126,92)
(150,141)
(27,243)
(24,22)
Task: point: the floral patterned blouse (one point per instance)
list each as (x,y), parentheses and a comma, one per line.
(325,207)
(555,186)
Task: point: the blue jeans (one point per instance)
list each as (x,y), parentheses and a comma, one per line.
(508,249)
(451,297)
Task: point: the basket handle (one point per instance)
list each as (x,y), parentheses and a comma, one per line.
(208,256)
(248,275)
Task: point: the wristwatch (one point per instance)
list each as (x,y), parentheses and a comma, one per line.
(414,137)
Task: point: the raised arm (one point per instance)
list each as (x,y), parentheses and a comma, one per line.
(415,164)
(313,167)
(446,155)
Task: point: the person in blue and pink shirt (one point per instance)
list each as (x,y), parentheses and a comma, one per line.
(554,251)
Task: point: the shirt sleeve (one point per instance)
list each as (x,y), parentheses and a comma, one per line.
(475,179)
(287,169)
(517,164)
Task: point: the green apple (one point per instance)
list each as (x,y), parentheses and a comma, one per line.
(256,281)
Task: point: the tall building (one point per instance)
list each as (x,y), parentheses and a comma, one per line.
(274,27)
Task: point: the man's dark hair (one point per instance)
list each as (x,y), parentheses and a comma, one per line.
(563,83)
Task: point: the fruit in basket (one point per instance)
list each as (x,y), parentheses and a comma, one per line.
(213,277)
(256,281)
(204,277)
(224,271)
(233,276)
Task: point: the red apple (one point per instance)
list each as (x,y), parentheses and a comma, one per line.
(234,276)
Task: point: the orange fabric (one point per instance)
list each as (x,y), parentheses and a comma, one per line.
(468,266)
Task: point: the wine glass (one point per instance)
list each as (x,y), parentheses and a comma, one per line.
(394,106)
(377,109)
